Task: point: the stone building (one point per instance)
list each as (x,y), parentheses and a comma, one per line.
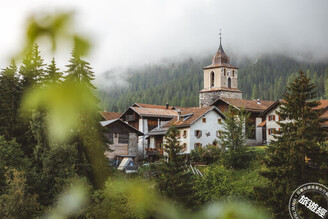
(220,80)
(122,138)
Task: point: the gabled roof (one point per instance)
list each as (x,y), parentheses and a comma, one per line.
(191,115)
(322,106)
(161,130)
(145,105)
(108,123)
(110,115)
(154,112)
(248,105)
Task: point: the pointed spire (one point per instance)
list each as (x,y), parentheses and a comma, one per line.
(220,56)
(220,47)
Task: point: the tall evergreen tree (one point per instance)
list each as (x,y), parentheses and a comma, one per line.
(53,75)
(90,143)
(10,95)
(298,154)
(32,70)
(174,180)
(79,70)
(233,138)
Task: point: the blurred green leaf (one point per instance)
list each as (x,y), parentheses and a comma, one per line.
(65,104)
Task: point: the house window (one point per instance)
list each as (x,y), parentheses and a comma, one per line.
(219,121)
(271,131)
(204,120)
(184,134)
(115,135)
(184,146)
(198,133)
(218,133)
(272,118)
(197,145)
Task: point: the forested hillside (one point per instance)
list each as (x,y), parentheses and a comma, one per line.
(178,83)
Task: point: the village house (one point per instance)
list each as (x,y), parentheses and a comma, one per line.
(270,125)
(198,127)
(146,117)
(122,139)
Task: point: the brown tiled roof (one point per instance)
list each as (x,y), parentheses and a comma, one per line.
(194,113)
(250,105)
(145,105)
(110,115)
(261,124)
(324,115)
(155,112)
(222,88)
(323,104)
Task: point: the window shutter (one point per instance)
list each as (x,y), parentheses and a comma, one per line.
(269,131)
(274,117)
(200,133)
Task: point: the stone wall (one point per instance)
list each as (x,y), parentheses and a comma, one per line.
(133,144)
(207,98)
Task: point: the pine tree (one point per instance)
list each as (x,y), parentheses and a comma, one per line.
(10,95)
(90,144)
(79,70)
(174,180)
(32,70)
(298,154)
(53,75)
(233,139)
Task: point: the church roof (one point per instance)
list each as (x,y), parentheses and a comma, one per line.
(248,105)
(220,59)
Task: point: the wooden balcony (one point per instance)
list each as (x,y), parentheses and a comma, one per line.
(154,151)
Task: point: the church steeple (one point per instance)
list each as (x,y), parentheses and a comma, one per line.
(220,79)
(220,58)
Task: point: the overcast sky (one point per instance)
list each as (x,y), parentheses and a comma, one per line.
(134,32)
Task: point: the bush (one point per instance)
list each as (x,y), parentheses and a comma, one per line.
(209,154)
(214,185)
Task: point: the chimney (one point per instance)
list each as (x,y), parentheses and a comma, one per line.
(167,105)
(258,101)
(179,114)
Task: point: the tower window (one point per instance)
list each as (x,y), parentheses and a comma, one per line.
(212,79)
(224,72)
(233,73)
(229,82)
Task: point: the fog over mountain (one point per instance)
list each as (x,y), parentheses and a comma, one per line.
(134,33)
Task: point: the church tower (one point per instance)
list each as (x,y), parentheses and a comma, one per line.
(220,79)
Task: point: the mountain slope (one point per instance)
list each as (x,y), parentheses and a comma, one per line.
(178,82)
